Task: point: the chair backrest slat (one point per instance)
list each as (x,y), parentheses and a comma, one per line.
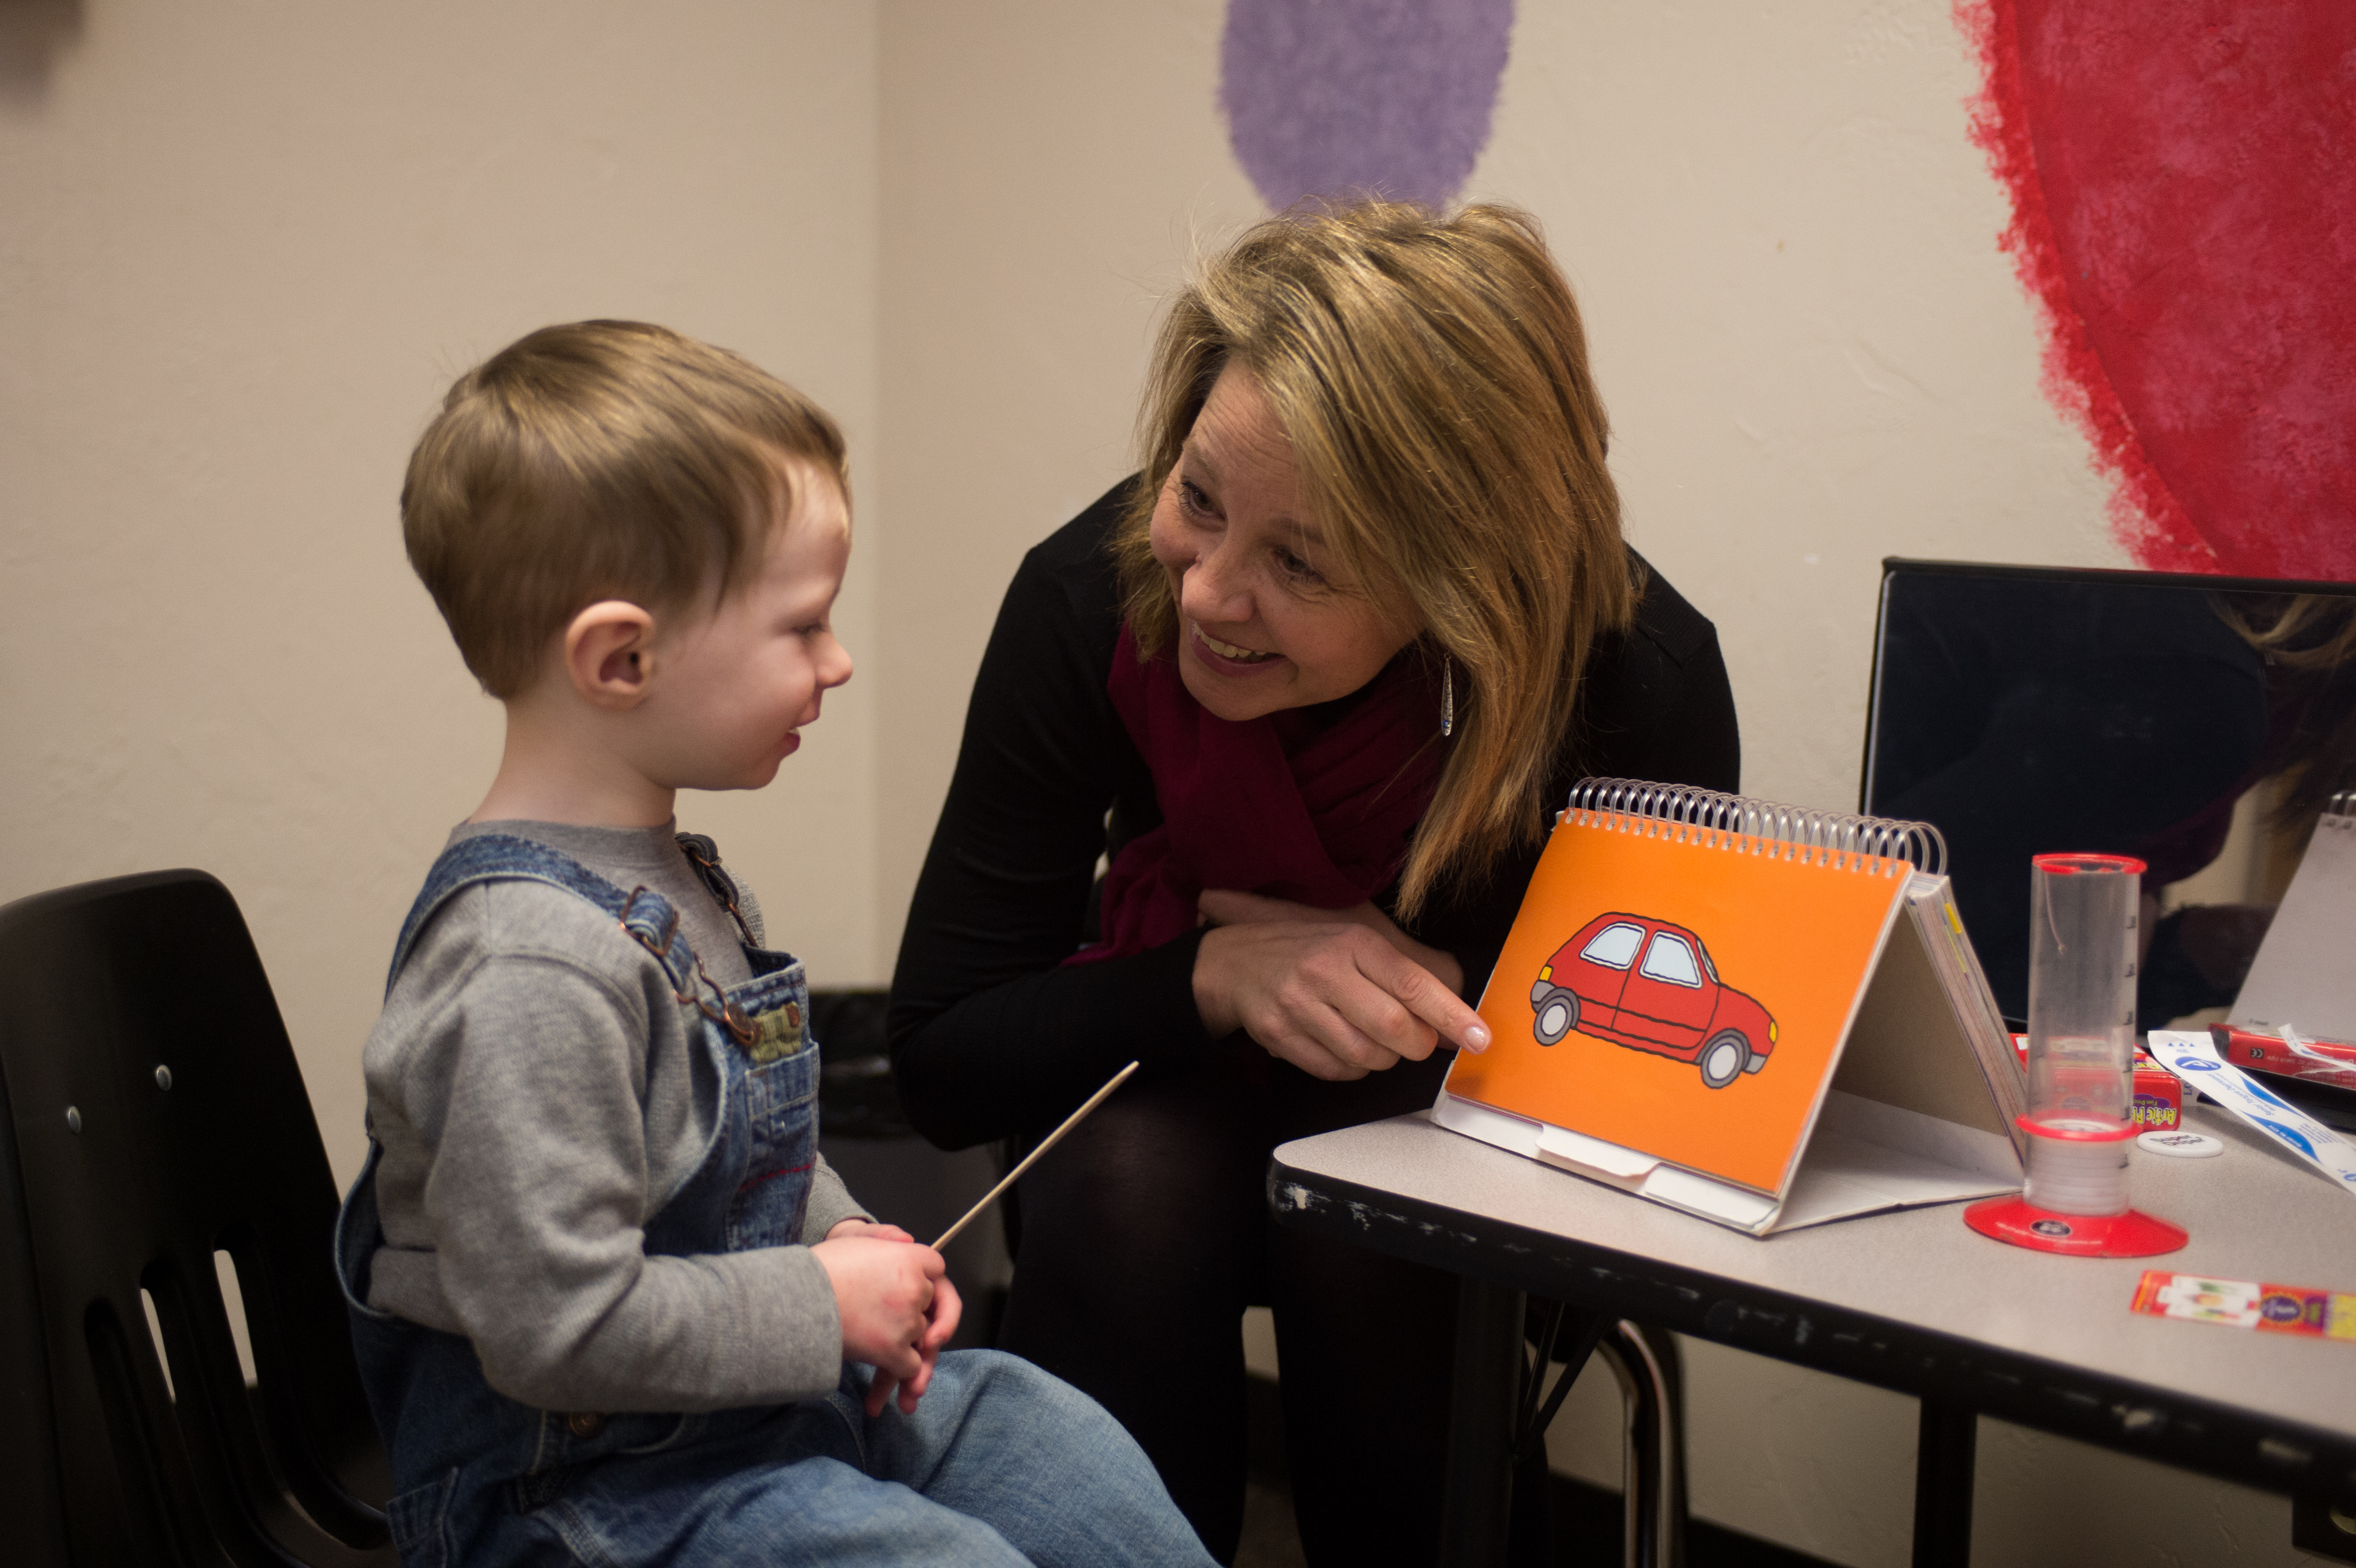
(31,1493)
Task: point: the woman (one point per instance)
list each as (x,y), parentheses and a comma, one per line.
(1315,680)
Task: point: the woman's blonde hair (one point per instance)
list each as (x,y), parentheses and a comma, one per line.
(1431,375)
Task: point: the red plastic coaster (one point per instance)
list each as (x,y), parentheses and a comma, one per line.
(2133,1234)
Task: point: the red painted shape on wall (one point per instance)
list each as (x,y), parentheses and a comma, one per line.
(2183,181)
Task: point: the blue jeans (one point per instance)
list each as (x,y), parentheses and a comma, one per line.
(1001,1464)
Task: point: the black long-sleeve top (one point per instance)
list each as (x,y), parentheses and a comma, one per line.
(990,1036)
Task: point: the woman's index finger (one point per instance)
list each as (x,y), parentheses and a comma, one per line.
(1422,993)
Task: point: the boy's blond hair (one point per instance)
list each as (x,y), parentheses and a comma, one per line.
(598,460)
(1433,375)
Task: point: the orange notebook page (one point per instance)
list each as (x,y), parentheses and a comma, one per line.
(1796,936)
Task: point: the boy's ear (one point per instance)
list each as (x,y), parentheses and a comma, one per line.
(609,653)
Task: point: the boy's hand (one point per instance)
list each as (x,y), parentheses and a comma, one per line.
(877,1229)
(897,1306)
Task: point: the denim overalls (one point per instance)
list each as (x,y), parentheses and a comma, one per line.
(748,1190)
(1000,1464)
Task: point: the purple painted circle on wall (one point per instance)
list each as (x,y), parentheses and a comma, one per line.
(1354,97)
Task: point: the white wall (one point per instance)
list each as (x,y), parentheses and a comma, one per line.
(1048,166)
(245,250)
(243,247)
(1814,354)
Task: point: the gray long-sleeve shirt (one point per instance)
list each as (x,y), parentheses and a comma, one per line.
(532,1084)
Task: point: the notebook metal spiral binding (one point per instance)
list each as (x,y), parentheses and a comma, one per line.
(1917,843)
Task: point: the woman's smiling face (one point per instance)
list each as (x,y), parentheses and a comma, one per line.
(1266,620)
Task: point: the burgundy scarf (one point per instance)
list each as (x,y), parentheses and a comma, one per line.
(1276,806)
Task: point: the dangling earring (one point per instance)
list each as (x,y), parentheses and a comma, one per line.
(1448,700)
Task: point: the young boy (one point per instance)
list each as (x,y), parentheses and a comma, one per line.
(610,1306)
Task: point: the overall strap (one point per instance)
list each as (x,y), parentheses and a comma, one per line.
(704,856)
(647,916)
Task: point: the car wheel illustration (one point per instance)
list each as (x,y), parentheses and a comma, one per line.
(1723,1059)
(1557,1013)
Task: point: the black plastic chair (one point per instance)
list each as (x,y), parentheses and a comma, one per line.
(152,1114)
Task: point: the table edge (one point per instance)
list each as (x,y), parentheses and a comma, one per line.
(2174,1428)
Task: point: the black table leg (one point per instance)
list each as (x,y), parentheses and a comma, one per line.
(1944,1451)
(1477,1499)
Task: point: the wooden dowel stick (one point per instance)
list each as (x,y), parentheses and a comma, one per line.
(1073,1120)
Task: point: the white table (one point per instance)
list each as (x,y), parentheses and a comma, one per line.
(1913,1301)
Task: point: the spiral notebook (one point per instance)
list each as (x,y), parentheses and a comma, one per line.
(1766,1017)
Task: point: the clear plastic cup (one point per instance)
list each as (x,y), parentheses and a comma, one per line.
(2081,1025)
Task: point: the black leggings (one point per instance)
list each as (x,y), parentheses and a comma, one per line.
(1146,1233)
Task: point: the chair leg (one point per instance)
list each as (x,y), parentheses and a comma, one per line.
(1652,1392)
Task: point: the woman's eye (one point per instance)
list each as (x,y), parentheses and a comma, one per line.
(1297,568)
(1191,497)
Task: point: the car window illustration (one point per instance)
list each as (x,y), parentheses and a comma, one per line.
(1670,959)
(1615,946)
(1674,1004)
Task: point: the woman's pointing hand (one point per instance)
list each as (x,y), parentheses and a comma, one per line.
(1337,993)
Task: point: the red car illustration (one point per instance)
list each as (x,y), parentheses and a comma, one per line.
(1651,986)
